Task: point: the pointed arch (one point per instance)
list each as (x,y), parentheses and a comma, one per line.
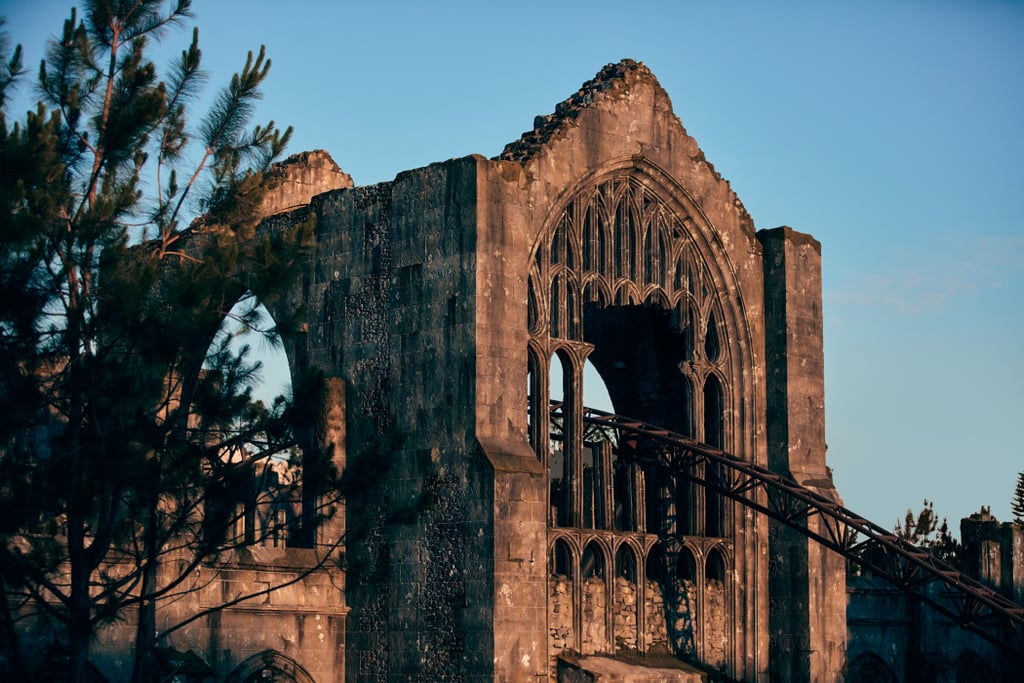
(596,291)
(971,668)
(715,608)
(562,580)
(684,608)
(594,577)
(626,261)
(269,665)
(626,599)
(868,667)
(712,343)
(560,463)
(536,392)
(714,434)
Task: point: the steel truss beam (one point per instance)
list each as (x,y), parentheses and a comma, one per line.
(970,604)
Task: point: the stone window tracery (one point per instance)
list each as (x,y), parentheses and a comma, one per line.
(619,281)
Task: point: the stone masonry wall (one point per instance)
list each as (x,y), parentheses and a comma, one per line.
(560,618)
(655,625)
(593,636)
(624,614)
(715,636)
(685,617)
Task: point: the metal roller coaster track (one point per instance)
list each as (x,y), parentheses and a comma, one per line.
(969,603)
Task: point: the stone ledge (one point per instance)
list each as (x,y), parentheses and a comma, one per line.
(510,455)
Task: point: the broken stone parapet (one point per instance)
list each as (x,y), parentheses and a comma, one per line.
(296,180)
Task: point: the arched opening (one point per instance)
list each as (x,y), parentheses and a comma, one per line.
(592,563)
(714,566)
(269,666)
(970,668)
(536,424)
(712,347)
(683,609)
(716,599)
(242,409)
(626,600)
(593,573)
(561,592)
(559,466)
(868,667)
(657,582)
(714,419)
(622,285)
(596,466)
(563,314)
(248,333)
(714,503)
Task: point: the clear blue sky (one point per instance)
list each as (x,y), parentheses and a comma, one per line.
(891,131)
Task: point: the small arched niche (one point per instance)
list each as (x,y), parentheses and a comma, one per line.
(595,594)
(716,608)
(269,665)
(683,613)
(626,597)
(561,597)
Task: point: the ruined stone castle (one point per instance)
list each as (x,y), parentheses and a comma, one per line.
(484,548)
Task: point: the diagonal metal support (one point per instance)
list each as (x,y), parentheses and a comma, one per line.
(969,603)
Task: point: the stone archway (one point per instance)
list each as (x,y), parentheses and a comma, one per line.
(269,666)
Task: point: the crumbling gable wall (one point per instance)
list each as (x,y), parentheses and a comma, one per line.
(621,124)
(420,305)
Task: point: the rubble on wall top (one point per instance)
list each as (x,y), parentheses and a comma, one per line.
(293,182)
(612,79)
(318,161)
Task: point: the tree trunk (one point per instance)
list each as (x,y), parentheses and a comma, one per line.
(79,628)
(10,651)
(145,666)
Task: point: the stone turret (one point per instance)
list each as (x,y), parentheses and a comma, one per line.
(993,553)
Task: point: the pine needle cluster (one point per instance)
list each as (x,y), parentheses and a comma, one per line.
(129,437)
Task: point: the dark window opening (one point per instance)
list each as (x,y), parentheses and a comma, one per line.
(714,569)
(592,564)
(712,348)
(714,504)
(559,462)
(624,495)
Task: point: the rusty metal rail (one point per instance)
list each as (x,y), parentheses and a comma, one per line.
(969,603)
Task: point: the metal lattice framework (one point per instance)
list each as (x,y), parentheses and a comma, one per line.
(970,604)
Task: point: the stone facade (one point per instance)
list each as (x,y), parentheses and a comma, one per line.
(478,549)
(481,550)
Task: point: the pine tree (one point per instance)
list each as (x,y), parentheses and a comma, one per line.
(1017,504)
(126,437)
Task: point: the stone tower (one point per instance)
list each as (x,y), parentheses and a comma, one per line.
(478,548)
